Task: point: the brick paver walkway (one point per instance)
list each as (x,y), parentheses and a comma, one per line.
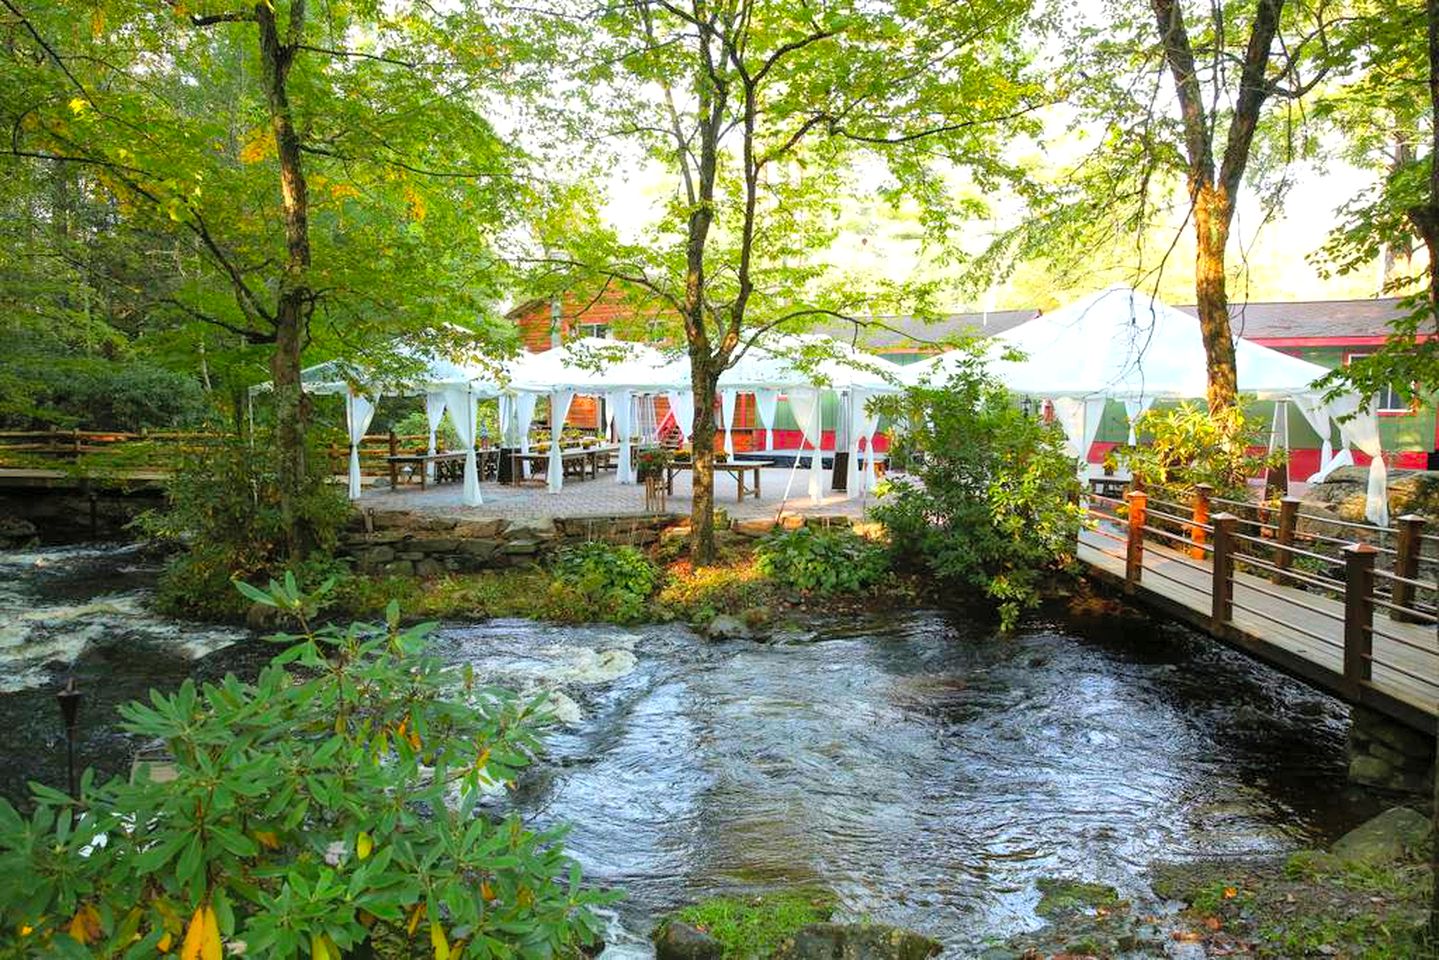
(605,497)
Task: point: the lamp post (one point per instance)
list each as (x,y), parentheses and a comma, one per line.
(69,699)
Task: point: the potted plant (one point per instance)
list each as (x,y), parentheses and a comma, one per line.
(650,462)
(1110,463)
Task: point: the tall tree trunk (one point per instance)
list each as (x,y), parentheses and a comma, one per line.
(1213,211)
(295,298)
(1426,218)
(705,383)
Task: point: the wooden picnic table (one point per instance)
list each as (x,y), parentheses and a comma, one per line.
(735,468)
(582,463)
(1108,486)
(449,466)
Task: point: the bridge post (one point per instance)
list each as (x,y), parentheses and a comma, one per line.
(1200,517)
(1358,612)
(1406,564)
(1134,546)
(1284,536)
(1222,590)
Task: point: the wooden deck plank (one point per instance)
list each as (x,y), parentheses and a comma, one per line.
(1297,631)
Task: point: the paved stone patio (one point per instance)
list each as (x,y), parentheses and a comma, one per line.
(605,497)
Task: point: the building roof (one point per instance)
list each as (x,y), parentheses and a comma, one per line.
(896,332)
(1304,320)
(1312,319)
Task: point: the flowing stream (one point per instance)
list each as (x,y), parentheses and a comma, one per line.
(924,768)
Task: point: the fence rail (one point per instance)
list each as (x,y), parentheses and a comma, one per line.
(1366,612)
(161,450)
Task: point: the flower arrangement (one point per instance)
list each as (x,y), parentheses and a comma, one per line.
(651,462)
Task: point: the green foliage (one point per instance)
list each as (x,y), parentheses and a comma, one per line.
(337,800)
(756,926)
(224,514)
(613,582)
(993,506)
(698,594)
(97,394)
(1187,445)
(823,561)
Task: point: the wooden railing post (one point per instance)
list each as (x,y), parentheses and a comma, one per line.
(1134,547)
(394,444)
(1358,612)
(1222,589)
(1406,564)
(1200,517)
(1284,536)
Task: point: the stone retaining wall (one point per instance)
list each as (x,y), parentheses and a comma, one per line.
(403,543)
(1386,754)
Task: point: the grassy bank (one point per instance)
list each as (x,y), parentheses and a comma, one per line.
(602,583)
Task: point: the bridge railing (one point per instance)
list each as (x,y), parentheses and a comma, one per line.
(1292,578)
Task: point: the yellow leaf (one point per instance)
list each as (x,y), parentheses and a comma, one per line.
(97,22)
(320,948)
(260,145)
(194,936)
(342,190)
(416,203)
(78,105)
(210,947)
(363,845)
(415,916)
(85,925)
(166,942)
(267,839)
(438,941)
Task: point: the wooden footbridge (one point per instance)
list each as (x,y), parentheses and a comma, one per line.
(1345,607)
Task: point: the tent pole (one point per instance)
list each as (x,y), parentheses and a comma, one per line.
(793,467)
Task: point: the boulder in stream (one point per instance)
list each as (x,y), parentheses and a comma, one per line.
(1396,834)
(857,941)
(17,532)
(677,940)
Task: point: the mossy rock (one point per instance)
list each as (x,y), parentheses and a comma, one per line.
(1395,835)
(857,941)
(751,927)
(1062,895)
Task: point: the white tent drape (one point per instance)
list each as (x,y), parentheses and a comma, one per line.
(682,406)
(766,402)
(1069,412)
(727,401)
(507,423)
(1093,417)
(1362,430)
(434,413)
(462,414)
(1316,411)
(863,424)
(524,416)
(1132,409)
(619,403)
(806,406)
(560,402)
(359,411)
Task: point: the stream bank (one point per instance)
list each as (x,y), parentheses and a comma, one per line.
(925,769)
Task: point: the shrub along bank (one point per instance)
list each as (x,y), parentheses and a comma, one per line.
(753,580)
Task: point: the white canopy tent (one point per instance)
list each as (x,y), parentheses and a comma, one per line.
(613,369)
(445,383)
(804,366)
(1120,344)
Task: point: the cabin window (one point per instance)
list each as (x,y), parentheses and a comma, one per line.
(1391,400)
